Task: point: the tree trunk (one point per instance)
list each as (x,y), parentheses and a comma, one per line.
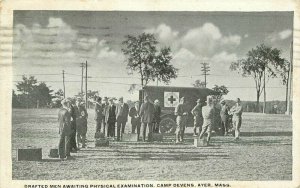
(264,107)
(257,101)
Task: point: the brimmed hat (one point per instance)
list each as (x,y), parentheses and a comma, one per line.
(223,101)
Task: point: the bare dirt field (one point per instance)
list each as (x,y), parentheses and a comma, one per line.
(263,153)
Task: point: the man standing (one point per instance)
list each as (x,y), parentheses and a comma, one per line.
(208,118)
(198,119)
(156,119)
(121,116)
(237,111)
(147,114)
(181,112)
(224,113)
(110,118)
(105,106)
(64,120)
(98,114)
(135,118)
(81,123)
(72,111)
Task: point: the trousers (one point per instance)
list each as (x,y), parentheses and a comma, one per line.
(64,146)
(144,128)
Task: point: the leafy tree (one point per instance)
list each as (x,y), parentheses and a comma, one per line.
(41,95)
(26,86)
(144,57)
(222,90)
(199,83)
(261,63)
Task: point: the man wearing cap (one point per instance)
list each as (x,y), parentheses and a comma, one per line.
(98,114)
(110,118)
(81,123)
(147,114)
(156,119)
(181,112)
(105,107)
(198,119)
(65,131)
(135,118)
(122,110)
(224,113)
(237,111)
(208,118)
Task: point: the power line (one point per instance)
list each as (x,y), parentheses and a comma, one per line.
(205,69)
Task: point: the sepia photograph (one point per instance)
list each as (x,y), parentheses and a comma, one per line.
(149,94)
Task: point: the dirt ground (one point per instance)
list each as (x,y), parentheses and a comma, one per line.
(263,153)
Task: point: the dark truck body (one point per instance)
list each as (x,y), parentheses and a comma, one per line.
(169,98)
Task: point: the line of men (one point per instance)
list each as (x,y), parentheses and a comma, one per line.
(204,117)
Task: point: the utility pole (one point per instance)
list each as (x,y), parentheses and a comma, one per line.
(290,84)
(86,77)
(205,69)
(63,73)
(82,67)
(264,107)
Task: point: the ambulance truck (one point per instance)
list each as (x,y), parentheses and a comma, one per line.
(169,99)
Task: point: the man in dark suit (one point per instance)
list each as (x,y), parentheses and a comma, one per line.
(81,123)
(147,114)
(135,118)
(72,111)
(156,119)
(105,107)
(98,114)
(121,116)
(110,118)
(65,131)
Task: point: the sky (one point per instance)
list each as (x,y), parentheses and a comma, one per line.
(48,42)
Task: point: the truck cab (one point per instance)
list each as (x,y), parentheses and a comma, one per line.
(169,99)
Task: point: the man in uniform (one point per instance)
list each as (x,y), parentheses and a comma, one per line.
(81,123)
(135,118)
(98,114)
(224,113)
(156,119)
(147,114)
(122,110)
(181,112)
(208,118)
(198,119)
(110,118)
(237,111)
(65,131)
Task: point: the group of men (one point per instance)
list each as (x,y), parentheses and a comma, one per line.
(204,117)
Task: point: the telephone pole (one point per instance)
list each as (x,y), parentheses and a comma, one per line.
(82,65)
(63,74)
(205,69)
(86,77)
(290,84)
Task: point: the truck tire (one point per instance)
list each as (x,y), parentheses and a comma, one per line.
(167,125)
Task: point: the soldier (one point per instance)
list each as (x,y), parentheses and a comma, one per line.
(146,114)
(122,110)
(181,112)
(72,111)
(208,118)
(135,118)
(198,119)
(110,118)
(98,114)
(81,123)
(237,111)
(224,113)
(65,131)
(156,119)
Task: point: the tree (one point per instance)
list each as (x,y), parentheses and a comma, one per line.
(259,63)
(222,90)
(26,86)
(41,95)
(143,57)
(199,83)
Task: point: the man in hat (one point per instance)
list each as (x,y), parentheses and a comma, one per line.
(156,119)
(105,107)
(208,118)
(65,131)
(198,119)
(147,114)
(181,112)
(98,114)
(224,113)
(81,123)
(110,118)
(135,118)
(237,111)
(72,110)
(122,110)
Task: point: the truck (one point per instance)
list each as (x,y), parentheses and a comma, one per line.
(169,99)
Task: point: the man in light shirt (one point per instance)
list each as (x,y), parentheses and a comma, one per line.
(237,111)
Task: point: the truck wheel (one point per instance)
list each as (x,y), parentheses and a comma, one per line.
(167,125)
